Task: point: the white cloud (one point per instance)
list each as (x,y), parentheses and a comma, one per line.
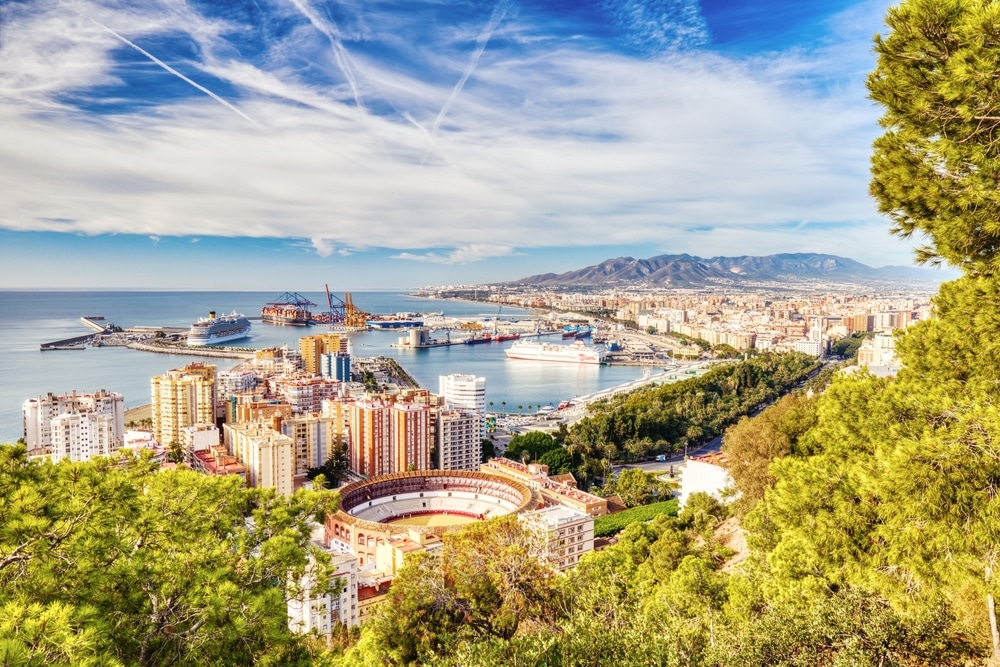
(545,147)
(463,255)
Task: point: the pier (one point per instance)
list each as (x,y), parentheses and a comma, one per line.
(95,322)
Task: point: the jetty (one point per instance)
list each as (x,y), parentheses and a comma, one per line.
(95,322)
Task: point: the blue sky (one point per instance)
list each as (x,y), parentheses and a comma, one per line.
(284,144)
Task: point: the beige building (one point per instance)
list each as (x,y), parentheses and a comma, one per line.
(312,349)
(269,456)
(568,533)
(314,436)
(536,475)
(182,397)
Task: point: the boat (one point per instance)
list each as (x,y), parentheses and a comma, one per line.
(475,340)
(213,330)
(290,308)
(290,315)
(499,338)
(578,352)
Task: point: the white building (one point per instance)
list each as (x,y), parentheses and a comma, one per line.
(465,391)
(80,436)
(38,414)
(198,438)
(704,474)
(308,612)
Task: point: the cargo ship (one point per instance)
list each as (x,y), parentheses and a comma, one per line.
(290,308)
(213,330)
(290,315)
(475,340)
(578,352)
(499,338)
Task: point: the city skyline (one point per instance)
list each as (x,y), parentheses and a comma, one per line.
(385,145)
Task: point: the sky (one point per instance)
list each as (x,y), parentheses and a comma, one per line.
(287,144)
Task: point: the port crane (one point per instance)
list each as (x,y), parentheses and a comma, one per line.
(337,312)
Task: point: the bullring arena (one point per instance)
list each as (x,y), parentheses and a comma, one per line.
(375,509)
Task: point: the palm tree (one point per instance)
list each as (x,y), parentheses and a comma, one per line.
(519,408)
(491,406)
(503,404)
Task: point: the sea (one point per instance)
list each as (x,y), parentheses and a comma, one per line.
(29,318)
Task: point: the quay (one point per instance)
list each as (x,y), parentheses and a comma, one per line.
(95,322)
(198,351)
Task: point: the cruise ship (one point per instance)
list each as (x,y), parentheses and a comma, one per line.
(578,352)
(213,330)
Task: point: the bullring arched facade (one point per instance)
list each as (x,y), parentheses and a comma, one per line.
(366,508)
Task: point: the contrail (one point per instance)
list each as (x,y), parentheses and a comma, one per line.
(484,37)
(339,52)
(173,71)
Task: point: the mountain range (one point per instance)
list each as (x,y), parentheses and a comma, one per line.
(690,271)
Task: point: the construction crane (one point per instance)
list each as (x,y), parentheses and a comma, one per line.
(353,317)
(337,312)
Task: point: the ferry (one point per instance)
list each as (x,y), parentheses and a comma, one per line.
(213,330)
(578,352)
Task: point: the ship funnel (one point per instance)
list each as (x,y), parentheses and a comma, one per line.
(211,314)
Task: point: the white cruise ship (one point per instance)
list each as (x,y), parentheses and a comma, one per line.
(212,330)
(578,352)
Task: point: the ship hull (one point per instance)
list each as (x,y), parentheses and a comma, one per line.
(214,331)
(574,354)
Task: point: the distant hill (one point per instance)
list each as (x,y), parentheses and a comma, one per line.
(687,270)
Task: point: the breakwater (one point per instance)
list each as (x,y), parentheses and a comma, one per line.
(200,351)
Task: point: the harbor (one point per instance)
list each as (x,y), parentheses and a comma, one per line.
(110,363)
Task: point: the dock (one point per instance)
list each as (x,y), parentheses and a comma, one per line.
(95,322)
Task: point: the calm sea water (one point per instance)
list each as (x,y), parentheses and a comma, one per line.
(29,318)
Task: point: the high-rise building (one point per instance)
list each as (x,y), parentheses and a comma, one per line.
(38,414)
(411,441)
(313,348)
(79,436)
(370,437)
(389,437)
(314,437)
(459,443)
(465,391)
(182,397)
(305,394)
(336,366)
(269,456)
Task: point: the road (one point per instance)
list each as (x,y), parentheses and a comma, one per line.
(713,445)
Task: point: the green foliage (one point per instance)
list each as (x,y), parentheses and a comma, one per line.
(752,444)
(635,487)
(147,567)
(558,461)
(848,347)
(488,451)
(934,170)
(487,580)
(612,524)
(666,417)
(535,443)
(335,468)
(725,351)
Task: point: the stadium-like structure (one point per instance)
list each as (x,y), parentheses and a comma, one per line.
(374,509)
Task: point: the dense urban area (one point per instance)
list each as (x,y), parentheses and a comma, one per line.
(820,489)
